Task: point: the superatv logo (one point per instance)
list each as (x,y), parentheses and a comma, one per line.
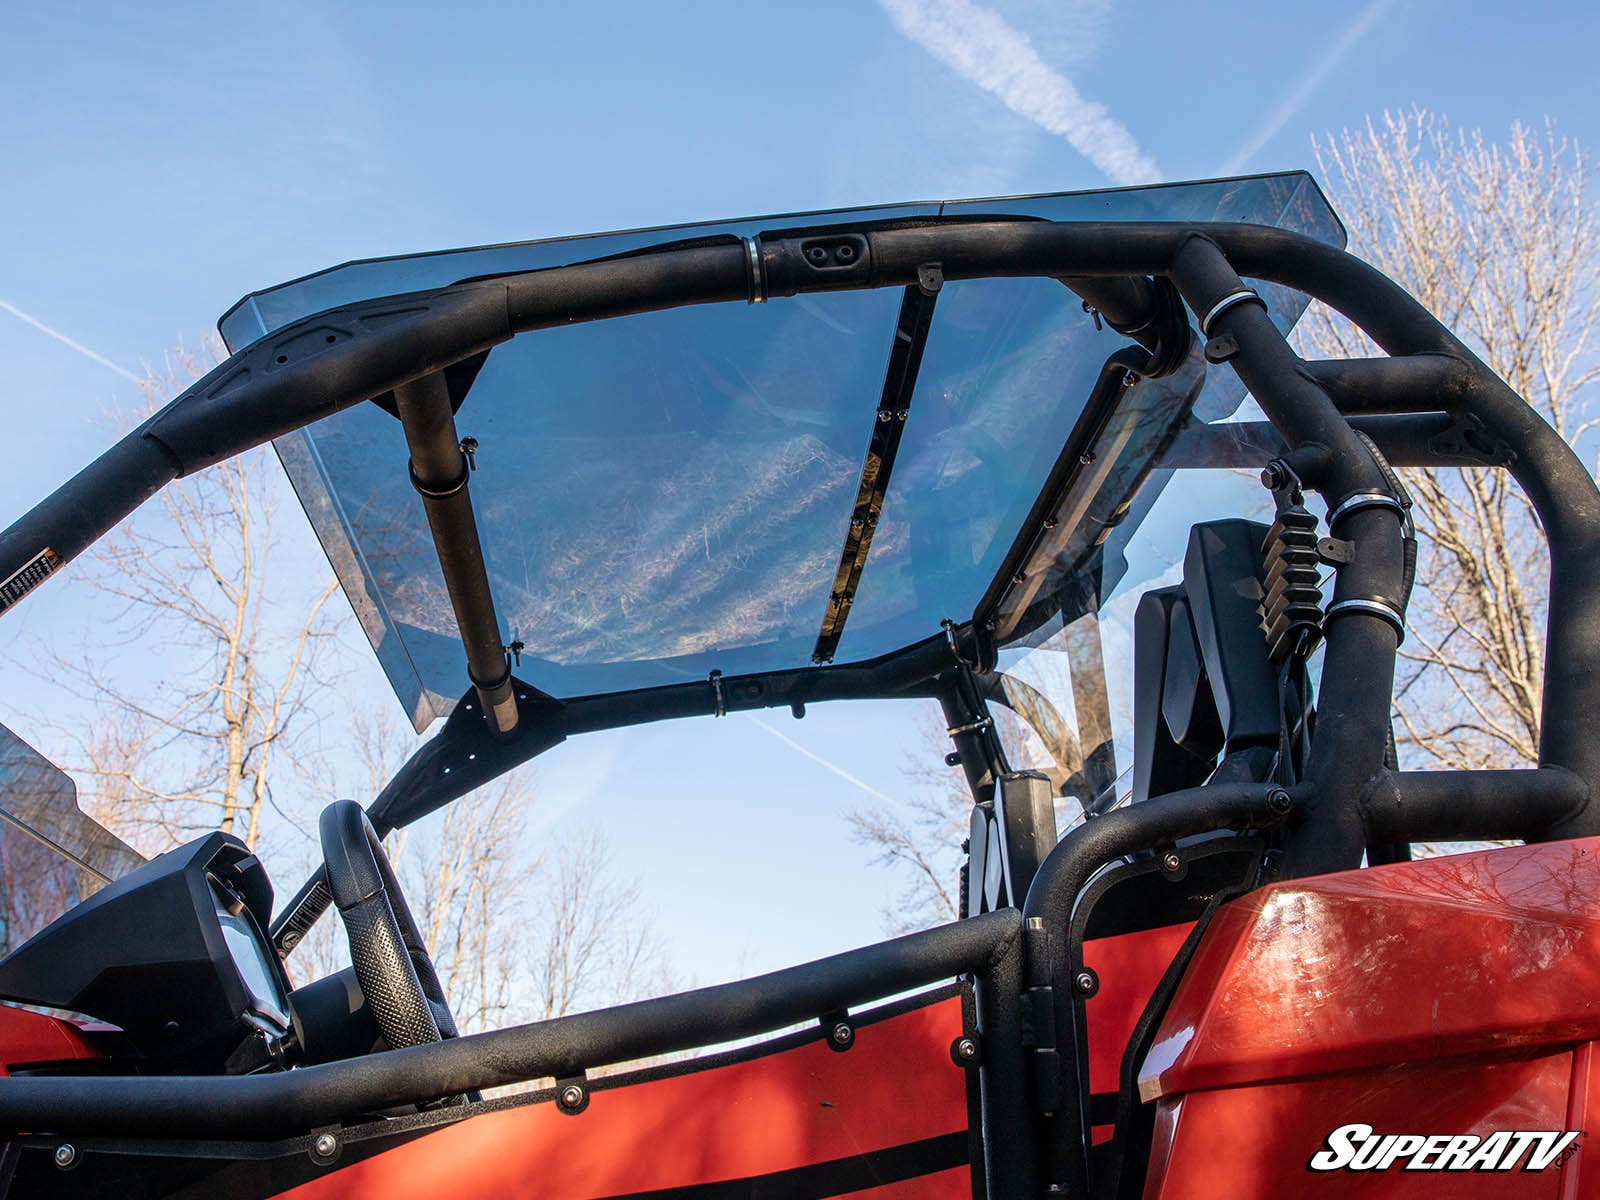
(1359,1148)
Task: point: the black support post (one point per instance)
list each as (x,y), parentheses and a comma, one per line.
(439,471)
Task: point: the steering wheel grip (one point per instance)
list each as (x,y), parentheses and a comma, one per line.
(391,961)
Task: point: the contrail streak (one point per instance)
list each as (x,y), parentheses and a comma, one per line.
(1291,104)
(70,343)
(822,762)
(981,47)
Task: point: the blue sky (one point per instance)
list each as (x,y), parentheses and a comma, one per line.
(160,160)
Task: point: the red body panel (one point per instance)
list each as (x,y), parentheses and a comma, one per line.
(31,1037)
(1453,995)
(897,1085)
(1129,967)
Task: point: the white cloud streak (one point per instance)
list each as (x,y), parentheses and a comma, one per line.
(982,48)
(1289,107)
(821,762)
(71,343)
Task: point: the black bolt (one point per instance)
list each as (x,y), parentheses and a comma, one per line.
(1279,802)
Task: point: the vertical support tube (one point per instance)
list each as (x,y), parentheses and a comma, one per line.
(1358,667)
(1010,1146)
(439,472)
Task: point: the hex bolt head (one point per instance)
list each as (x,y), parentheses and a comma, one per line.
(571,1096)
(326,1145)
(967,1049)
(842,1034)
(66,1154)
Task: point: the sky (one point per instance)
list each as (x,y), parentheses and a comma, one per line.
(157,161)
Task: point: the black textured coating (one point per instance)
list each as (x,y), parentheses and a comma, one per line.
(388,977)
(386,949)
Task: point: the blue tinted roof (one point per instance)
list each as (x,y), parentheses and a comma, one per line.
(666,494)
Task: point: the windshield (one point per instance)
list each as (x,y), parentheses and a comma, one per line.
(52,854)
(668,494)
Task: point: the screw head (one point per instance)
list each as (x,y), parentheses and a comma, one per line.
(1279,802)
(66,1154)
(571,1096)
(842,1034)
(1170,861)
(325,1146)
(1086,983)
(967,1048)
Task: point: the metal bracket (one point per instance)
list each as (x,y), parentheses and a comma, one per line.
(977,726)
(1336,552)
(1374,605)
(459,484)
(758,279)
(1242,296)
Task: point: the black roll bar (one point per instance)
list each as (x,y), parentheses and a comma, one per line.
(441,470)
(254,1106)
(336,359)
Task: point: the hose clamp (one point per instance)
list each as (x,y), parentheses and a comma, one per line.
(758,281)
(1360,500)
(442,491)
(1372,606)
(1242,296)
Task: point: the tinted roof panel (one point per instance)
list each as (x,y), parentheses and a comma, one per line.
(667,494)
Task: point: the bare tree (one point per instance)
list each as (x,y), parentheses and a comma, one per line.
(193,577)
(1501,242)
(922,838)
(474,885)
(594,941)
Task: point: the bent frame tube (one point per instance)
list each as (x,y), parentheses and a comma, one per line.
(333,360)
(252,1106)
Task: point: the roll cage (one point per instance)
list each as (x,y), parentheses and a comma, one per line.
(1338,427)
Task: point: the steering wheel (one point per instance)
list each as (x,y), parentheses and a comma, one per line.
(391,961)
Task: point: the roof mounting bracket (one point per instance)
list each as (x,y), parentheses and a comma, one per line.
(894,406)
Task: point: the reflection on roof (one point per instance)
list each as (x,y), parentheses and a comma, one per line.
(666,494)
